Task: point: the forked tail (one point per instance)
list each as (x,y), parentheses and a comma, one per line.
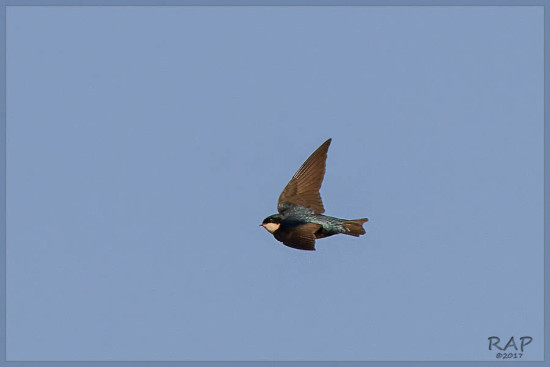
(355,226)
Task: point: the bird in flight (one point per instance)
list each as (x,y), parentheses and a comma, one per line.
(300,219)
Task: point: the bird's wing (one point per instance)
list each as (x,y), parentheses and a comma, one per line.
(303,188)
(301,237)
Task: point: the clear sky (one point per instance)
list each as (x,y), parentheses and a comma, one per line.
(146,144)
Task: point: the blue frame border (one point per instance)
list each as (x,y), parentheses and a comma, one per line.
(3,118)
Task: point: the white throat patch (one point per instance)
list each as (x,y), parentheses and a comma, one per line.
(271,227)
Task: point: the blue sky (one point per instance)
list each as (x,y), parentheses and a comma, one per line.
(146,144)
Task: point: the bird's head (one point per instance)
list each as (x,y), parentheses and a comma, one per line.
(272,223)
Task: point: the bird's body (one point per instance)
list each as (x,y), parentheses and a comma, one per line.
(299,215)
(300,220)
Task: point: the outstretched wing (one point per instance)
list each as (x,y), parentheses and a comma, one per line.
(300,237)
(303,188)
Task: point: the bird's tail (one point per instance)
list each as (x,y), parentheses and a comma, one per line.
(355,226)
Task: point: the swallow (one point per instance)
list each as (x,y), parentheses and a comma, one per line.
(300,220)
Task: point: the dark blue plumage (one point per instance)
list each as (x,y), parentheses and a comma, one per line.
(297,215)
